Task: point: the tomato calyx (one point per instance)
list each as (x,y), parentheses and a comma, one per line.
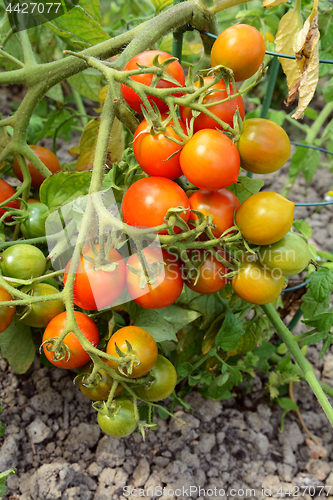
(148,272)
(127,360)
(61,352)
(173,218)
(100,261)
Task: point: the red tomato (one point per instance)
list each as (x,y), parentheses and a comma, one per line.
(168,285)
(143,345)
(211,270)
(97,288)
(240,48)
(220,204)
(6,191)
(210,160)
(78,356)
(47,157)
(147,201)
(152,150)
(146,59)
(225,111)
(7,313)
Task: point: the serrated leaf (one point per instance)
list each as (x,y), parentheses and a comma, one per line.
(307,56)
(230,332)
(88,144)
(64,187)
(311,307)
(93,8)
(321,284)
(303,227)
(313,339)
(184,369)
(245,187)
(161,4)
(88,83)
(289,27)
(322,322)
(17,346)
(80,24)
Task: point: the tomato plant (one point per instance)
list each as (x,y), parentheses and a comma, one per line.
(210,273)
(162,289)
(256,284)
(162,381)
(263,146)
(99,281)
(99,391)
(290,254)
(220,204)
(210,160)
(120,421)
(39,314)
(76,356)
(147,201)
(174,70)
(143,346)
(240,48)
(7,313)
(224,111)
(22,261)
(47,157)
(155,152)
(6,191)
(34,224)
(265,217)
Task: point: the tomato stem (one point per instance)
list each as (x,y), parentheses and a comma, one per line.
(303,363)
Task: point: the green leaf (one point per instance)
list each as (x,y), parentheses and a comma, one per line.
(306,160)
(303,228)
(3,477)
(313,339)
(322,322)
(56,93)
(184,369)
(17,346)
(321,284)
(209,306)
(64,187)
(161,4)
(287,404)
(81,25)
(311,307)
(328,92)
(230,332)
(88,83)
(245,187)
(327,344)
(189,346)
(163,324)
(93,8)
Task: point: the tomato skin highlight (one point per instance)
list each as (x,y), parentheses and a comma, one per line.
(6,191)
(265,217)
(225,111)
(263,146)
(152,151)
(146,58)
(169,282)
(210,160)
(211,270)
(7,313)
(22,261)
(256,284)
(162,381)
(41,313)
(147,201)
(290,254)
(46,156)
(122,422)
(79,356)
(240,48)
(143,345)
(220,204)
(97,289)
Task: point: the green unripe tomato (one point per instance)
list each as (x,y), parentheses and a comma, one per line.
(22,262)
(41,313)
(290,254)
(103,383)
(162,381)
(34,225)
(121,421)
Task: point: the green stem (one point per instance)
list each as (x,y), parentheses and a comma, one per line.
(177,39)
(294,349)
(319,122)
(80,107)
(297,316)
(29,58)
(273,72)
(11,58)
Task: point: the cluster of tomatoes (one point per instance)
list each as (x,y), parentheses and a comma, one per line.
(196,145)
